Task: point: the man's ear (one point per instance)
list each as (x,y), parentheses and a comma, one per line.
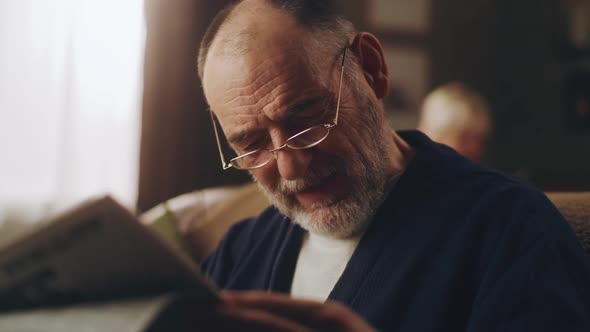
(369,51)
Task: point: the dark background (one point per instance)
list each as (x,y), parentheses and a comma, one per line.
(518,54)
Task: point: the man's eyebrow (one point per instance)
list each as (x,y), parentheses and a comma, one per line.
(241,136)
(305,103)
(297,107)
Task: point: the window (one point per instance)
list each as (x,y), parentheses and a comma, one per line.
(70,98)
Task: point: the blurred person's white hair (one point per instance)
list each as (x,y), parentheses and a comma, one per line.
(454,106)
(458,116)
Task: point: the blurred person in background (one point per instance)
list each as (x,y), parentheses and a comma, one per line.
(458,116)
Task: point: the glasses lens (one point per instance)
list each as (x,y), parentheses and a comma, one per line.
(254,159)
(308,138)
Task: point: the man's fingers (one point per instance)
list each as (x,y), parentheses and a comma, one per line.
(324,316)
(236,318)
(274,302)
(266,299)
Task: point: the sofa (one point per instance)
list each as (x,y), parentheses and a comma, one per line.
(202,217)
(575,207)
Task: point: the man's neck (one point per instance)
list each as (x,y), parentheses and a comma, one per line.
(400,156)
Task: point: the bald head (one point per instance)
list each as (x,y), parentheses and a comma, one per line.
(249,49)
(235,28)
(249,25)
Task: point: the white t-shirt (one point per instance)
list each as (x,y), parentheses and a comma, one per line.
(322,260)
(320,264)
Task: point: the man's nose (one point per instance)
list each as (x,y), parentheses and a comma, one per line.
(293,164)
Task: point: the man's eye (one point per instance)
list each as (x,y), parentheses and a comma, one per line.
(309,119)
(306,118)
(254,145)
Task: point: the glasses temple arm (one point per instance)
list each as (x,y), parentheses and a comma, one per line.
(223,163)
(340,86)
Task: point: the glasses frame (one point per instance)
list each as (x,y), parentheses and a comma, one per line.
(328,126)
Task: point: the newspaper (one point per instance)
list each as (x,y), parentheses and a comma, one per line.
(130,315)
(97,251)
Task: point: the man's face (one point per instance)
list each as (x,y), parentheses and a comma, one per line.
(264,97)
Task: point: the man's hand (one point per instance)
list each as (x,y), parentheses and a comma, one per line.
(262,311)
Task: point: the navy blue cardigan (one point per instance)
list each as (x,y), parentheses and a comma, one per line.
(454,247)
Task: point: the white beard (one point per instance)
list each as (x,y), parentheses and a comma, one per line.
(366,170)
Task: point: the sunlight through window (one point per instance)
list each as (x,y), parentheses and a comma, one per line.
(70,98)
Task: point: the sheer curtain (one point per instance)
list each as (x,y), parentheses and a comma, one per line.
(70,94)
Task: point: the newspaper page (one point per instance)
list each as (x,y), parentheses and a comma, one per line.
(97,251)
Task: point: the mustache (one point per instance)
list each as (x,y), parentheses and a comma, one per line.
(313,177)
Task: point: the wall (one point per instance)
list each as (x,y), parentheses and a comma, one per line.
(513,52)
(509,50)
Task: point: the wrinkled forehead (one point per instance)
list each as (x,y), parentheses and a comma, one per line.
(261,67)
(249,90)
(273,62)
(261,73)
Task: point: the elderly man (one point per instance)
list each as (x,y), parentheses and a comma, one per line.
(391,230)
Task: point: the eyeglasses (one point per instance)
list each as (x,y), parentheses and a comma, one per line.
(305,139)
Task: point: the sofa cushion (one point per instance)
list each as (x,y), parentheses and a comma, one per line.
(202,217)
(575,207)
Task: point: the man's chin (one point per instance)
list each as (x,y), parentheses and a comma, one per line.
(330,215)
